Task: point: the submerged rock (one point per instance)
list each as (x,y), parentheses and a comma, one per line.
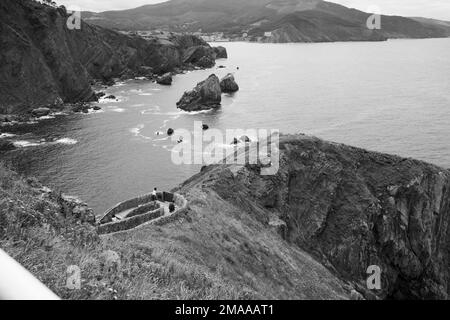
(165,79)
(228,84)
(40,112)
(206,95)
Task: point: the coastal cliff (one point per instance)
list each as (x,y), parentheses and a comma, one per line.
(310,231)
(350,209)
(44,63)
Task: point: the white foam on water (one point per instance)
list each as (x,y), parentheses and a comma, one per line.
(118,99)
(153,110)
(92,111)
(11,123)
(181,112)
(137,132)
(145,94)
(25,144)
(67,141)
(162,139)
(50,116)
(164,124)
(6,135)
(120,110)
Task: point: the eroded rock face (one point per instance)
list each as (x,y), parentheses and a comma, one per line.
(351,209)
(228,84)
(206,95)
(202,56)
(221,52)
(165,79)
(43,61)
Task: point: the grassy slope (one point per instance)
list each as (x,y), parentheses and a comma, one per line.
(204,254)
(33,232)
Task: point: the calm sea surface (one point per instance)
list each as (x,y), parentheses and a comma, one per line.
(389,96)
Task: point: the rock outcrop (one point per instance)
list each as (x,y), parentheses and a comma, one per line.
(206,95)
(6,145)
(228,84)
(202,56)
(165,79)
(221,52)
(350,209)
(44,63)
(40,112)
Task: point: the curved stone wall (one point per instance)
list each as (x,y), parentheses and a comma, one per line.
(141,214)
(129,223)
(128,204)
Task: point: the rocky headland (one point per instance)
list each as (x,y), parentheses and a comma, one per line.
(310,231)
(347,207)
(46,64)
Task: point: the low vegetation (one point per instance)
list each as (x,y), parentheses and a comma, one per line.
(34,231)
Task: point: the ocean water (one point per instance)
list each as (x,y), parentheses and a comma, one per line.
(389,96)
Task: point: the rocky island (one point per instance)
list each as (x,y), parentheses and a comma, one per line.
(206,95)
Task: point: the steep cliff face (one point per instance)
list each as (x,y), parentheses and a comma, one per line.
(43,62)
(350,209)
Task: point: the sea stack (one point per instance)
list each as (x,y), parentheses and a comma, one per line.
(165,79)
(228,84)
(206,95)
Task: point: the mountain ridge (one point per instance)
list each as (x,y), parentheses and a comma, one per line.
(316,20)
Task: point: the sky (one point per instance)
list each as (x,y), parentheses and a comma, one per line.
(438,9)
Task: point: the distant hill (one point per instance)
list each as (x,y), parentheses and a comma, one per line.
(286,20)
